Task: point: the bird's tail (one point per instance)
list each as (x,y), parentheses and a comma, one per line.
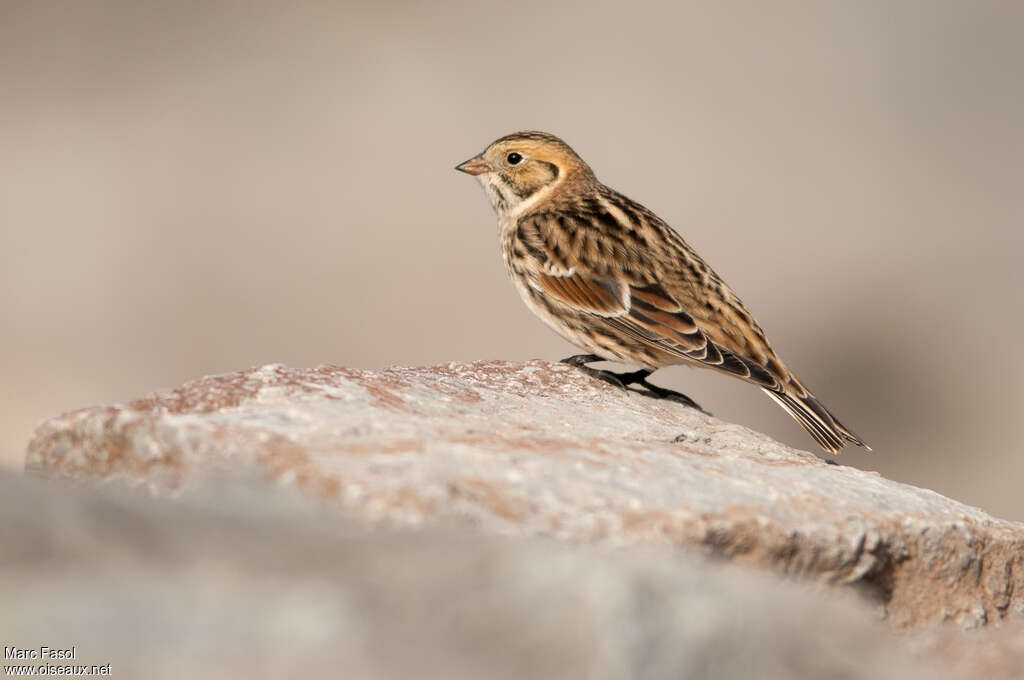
(819,422)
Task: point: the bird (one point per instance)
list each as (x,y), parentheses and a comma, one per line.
(616,280)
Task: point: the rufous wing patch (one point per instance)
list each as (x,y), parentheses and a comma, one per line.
(598,296)
(656,296)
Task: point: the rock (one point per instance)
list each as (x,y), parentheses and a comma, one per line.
(989,655)
(540,449)
(242,581)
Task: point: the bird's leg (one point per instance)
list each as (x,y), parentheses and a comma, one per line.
(622,379)
(633,378)
(580,361)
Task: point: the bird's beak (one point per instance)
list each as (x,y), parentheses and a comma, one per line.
(474,166)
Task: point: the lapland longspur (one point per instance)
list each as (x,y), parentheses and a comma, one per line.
(613,278)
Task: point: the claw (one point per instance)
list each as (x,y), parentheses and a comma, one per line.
(672,395)
(607,376)
(579,360)
(639,377)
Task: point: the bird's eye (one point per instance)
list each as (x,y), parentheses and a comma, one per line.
(513,158)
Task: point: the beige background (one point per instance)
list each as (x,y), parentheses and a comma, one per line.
(193,188)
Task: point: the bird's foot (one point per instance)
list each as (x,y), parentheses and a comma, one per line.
(607,376)
(672,395)
(579,360)
(620,380)
(632,378)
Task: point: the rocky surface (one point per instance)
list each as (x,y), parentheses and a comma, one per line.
(540,449)
(990,655)
(245,581)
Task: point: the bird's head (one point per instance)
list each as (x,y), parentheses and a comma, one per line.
(520,169)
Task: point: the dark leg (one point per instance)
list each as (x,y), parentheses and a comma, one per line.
(634,378)
(622,379)
(580,361)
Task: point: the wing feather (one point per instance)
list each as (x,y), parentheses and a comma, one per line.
(654,290)
(643,309)
(595,296)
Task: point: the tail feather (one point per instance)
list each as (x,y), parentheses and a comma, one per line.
(819,422)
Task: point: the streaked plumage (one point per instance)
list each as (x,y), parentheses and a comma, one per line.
(613,278)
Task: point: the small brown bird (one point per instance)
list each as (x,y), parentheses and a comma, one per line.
(613,278)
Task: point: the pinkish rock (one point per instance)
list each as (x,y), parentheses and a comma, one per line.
(541,449)
(237,579)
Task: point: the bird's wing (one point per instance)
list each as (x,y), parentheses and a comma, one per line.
(568,266)
(629,270)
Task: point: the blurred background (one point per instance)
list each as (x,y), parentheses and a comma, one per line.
(190,188)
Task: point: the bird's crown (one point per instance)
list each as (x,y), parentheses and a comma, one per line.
(541,146)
